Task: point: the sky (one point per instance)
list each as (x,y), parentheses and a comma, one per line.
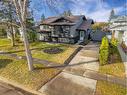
(95,9)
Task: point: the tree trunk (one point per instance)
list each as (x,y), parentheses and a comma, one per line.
(27,49)
(12,37)
(21,9)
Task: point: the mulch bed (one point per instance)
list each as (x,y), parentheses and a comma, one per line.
(53,50)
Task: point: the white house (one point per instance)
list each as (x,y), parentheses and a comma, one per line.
(118,26)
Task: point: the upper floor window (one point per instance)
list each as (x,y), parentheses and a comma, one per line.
(44,27)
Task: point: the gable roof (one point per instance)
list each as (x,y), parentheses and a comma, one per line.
(85,24)
(71,19)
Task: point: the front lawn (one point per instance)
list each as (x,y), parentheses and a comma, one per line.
(114,67)
(37,50)
(106,88)
(17,71)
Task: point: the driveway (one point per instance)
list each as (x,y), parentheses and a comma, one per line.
(71,81)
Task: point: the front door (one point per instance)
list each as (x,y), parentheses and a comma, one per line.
(82,34)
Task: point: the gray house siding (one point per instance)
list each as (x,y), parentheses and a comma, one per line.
(73,31)
(63,30)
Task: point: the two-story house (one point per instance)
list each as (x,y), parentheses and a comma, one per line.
(69,29)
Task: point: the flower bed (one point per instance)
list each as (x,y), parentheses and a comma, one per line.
(53,50)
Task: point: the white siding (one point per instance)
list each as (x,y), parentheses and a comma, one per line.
(41,27)
(125,37)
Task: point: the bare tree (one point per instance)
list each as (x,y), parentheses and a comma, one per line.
(21,9)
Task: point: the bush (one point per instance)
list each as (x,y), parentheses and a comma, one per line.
(3,32)
(114,42)
(32,35)
(104,51)
(113,46)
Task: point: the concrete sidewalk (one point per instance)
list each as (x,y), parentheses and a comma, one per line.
(67,83)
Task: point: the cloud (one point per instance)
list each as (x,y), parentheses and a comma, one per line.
(95,9)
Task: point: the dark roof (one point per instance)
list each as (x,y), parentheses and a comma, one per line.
(85,24)
(63,23)
(72,19)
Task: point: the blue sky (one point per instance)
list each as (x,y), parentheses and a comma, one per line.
(95,9)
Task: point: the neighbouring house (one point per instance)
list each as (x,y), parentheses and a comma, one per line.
(118,26)
(65,29)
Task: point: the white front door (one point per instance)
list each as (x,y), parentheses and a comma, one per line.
(82,35)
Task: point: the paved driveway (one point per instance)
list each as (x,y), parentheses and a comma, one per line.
(72,81)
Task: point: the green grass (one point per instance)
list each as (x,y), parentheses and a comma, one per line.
(116,69)
(17,71)
(106,88)
(4,42)
(38,53)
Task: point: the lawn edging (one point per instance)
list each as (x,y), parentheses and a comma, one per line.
(19,87)
(68,60)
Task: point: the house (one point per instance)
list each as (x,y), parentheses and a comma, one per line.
(118,26)
(69,29)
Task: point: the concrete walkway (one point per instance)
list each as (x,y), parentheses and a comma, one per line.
(72,81)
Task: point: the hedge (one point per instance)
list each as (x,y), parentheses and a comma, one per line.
(104,51)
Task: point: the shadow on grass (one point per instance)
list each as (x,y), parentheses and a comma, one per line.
(4,46)
(65,65)
(4,62)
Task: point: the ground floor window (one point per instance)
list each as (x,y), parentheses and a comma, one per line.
(65,40)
